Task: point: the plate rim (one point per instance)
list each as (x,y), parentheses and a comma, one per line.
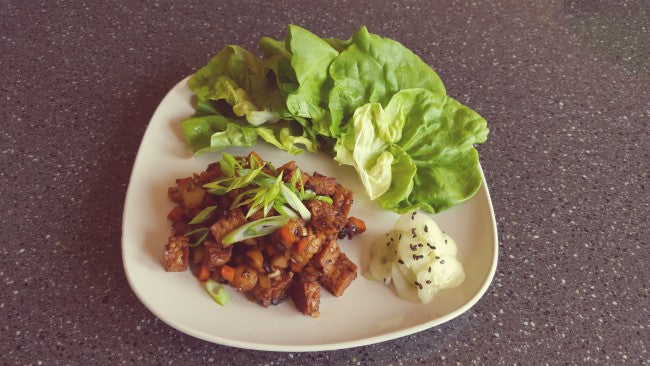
(329,346)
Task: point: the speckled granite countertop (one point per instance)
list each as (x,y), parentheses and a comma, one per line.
(563,84)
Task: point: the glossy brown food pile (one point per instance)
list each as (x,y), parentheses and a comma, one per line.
(293,261)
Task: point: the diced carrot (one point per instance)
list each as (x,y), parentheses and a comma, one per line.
(287,235)
(204,273)
(302,244)
(296,268)
(228,273)
(176,214)
(359,224)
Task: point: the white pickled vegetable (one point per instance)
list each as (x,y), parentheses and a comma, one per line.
(417,257)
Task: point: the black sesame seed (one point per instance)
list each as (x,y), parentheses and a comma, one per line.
(429,269)
(445,241)
(400,236)
(400,261)
(431,246)
(413,247)
(414,213)
(415,257)
(428,282)
(388,244)
(442,261)
(426,228)
(418,284)
(437,257)
(420,245)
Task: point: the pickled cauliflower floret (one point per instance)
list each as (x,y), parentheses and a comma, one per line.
(417,257)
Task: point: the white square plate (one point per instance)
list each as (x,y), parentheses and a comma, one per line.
(368,312)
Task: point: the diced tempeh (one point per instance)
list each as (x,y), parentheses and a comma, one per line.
(345,271)
(325,259)
(275,294)
(288,171)
(177,252)
(314,243)
(233,219)
(305,293)
(215,255)
(321,184)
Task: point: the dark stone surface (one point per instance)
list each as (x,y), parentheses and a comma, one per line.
(563,84)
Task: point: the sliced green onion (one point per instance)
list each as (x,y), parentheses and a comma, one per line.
(217,183)
(285,211)
(271,167)
(202,216)
(244,180)
(266,182)
(228,164)
(217,291)
(297,176)
(255,229)
(308,195)
(324,199)
(204,231)
(272,194)
(217,191)
(257,163)
(295,202)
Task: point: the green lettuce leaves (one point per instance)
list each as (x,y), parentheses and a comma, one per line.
(371,70)
(239,78)
(379,107)
(422,144)
(214,132)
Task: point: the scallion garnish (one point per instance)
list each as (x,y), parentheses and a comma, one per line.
(201,233)
(202,216)
(255,229)
(217,291)
(295,202)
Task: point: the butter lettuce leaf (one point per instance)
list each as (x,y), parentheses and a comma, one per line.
(371,70)
(310,59)
(242,80)
(214,132)
(417,152)
(366,150)
(378,106)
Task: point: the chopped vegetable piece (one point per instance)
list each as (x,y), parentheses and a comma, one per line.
(201,234)
(228,165)
(255,229)
(287,235)
(324,199)
(295,202)
(204,273)
(217,292)
(203,215)
(302,244)
(228,273)
(285,211)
